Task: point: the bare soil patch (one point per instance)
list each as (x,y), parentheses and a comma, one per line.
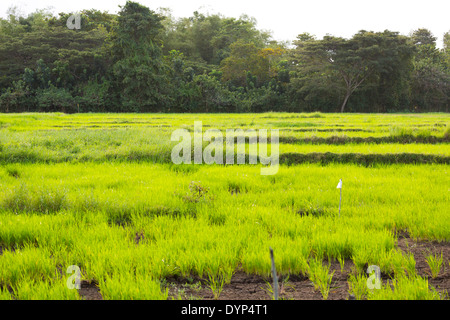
(421,250)
(255,287)
(89,291)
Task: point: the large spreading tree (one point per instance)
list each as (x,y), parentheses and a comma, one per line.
(350,63)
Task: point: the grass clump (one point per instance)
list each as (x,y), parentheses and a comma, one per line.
(45,290)
(43,200)
(197,193)
(358,286)
(130,286)
(320,276)
(405,288)
(435,263)
(13,171)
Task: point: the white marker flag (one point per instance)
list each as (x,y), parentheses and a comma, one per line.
(339,186)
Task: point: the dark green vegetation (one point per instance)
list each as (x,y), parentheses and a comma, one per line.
(143,61)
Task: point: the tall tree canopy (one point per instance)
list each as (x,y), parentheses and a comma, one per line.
(137,55)
(349,64)
(139,60)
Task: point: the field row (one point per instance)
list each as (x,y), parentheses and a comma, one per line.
(155,146)
(122,189)
(374,124)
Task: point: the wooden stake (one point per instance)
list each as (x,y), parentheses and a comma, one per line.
(274,275)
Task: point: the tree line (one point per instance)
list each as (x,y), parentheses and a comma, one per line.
(140,60)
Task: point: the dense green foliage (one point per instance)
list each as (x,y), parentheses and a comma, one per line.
(142,61)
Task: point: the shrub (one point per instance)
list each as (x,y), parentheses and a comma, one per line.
(56,100)
(94,96)
(17,99)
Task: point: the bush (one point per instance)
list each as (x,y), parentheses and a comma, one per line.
(212,96)
(94,96)
(17,99)
(56,100)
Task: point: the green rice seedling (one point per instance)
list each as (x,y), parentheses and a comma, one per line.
(120,215)
(358,286)
(393,262)
(309,209)
(320,276)
(185,169)
(435,263)
(216,284)
(410,265)
(45,290)
(27,264)
(237,187)
(218,278)
(341,260)
(406,288)
(217,218)
(86,202)
(315,115)
(5,294)
(360,259)
(269,289)
(127,286)
(400,131)
(347,151)
(424,133)
(227,273)
(285,284)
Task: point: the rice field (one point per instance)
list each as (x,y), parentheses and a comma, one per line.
(100,192)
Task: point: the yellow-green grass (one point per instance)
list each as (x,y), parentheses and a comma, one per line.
(436,122)
(72,193)
(155,145)
(90,215)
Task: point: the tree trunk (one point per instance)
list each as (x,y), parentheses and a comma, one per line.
(347,95)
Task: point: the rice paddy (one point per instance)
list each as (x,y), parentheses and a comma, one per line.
(100,192)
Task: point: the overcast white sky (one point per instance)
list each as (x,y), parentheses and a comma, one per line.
(286,19)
